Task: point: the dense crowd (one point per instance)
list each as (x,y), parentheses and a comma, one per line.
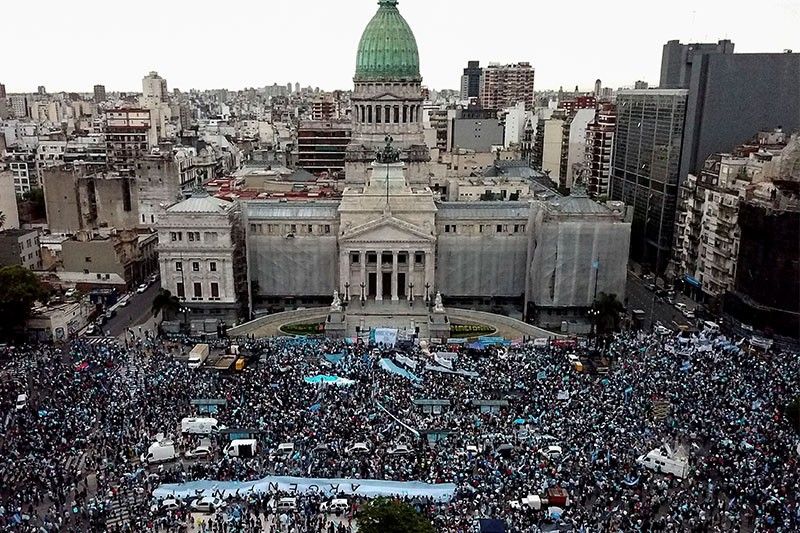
(73,449)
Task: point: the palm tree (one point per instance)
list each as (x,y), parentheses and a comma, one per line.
(167,303)
(608,311)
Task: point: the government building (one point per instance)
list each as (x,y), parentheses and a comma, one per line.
(390,237)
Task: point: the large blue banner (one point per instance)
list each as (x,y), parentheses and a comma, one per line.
(368,488)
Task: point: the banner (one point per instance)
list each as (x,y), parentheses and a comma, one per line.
(357,487)
(329,380)
(443,370)
(390,366)
(385,336)
(407,361)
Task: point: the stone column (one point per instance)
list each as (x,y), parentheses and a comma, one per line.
(344,270)
(379,278)
(430,272)
(395,288)
(363,262)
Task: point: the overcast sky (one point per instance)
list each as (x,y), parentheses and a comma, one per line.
(232,44)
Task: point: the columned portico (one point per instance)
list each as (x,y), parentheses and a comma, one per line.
(386,274)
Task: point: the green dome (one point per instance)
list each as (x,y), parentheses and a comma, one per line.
(388,49)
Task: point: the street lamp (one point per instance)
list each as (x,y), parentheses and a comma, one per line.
(346,291)
(593,314)
(363,298)
(411,294)
(427,291)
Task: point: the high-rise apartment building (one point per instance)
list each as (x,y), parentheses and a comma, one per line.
(505,85)
(154,88)
(324,107)
(321,146)
(646,167)
(129,135)
(99,93)
(733,95)
(599,149)
(471,80)
(677,61)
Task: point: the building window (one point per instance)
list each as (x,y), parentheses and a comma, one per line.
(195,266)
(212,266)
(211,236)
(327,229)
(386,258)
(499,228)
(176,236)
(178,266)
(198,291)
(402,258)
(193,236)
(293,228)
(87,259)
(355,258)
(372,258)
(450,228)
(310,229)
(181,291)
(215,291)
(419,258)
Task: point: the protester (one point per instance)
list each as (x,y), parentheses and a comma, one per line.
(70,456)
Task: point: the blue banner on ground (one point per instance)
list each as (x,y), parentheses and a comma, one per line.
(362,487)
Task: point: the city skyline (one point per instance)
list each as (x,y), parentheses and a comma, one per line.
(557,53)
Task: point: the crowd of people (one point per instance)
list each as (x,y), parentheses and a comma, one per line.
(512,421)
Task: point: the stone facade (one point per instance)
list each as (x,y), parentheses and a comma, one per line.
(202,259)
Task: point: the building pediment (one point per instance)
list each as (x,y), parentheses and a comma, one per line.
(387,229)
(386,97)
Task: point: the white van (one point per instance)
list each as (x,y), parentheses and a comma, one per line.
(665,462)
(159,452)
(199,426)
(241,448)
(710,326)
(22,401)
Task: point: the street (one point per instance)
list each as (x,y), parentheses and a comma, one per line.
(138,310)
(640,297)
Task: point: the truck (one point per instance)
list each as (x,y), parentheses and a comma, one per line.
(243,448)
(198,355)
(199,426)
(159,452)
(666,461)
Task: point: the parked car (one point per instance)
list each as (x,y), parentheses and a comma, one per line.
(680,306)
(141,288)
(552,452)
(358,448)
(201,452)
(166,506)
(207,504)
(689,313)
(661,330)
(400,449)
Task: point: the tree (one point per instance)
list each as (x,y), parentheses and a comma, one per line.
(166,302)
(609,310)
(2,219)
(384,515)
(19,289)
